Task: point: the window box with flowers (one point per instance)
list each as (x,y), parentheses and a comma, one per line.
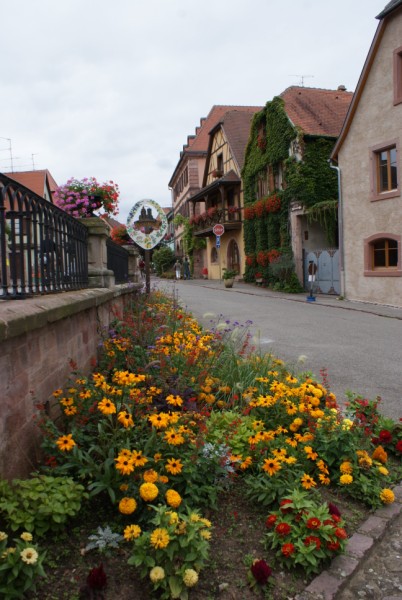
(217,173)
(120,236)
(80,198)
(259,277)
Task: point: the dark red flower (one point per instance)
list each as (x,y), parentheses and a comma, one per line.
(270,522)
(283,504)
(341,533)
(261,571)
(385,436)
(333,545)
(312,539)
(398,447)
(333,509)
(283,529)
(97,579)
(313,523)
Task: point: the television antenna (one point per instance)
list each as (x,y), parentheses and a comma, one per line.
(11,152)
(302,78)
(33,160)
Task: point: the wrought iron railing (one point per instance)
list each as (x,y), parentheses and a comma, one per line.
(43,250)
(117,261)
(211,217)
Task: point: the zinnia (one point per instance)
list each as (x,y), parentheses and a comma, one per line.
(29,556)
(387,496)
(190,577)
(283,529)
(156,574)
(288,549)
(159,538)
(131,532)
(261,571)
(127,506)
(26,536)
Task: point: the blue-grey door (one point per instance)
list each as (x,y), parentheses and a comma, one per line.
(327,275)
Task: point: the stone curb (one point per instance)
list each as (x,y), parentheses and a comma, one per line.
(330,583)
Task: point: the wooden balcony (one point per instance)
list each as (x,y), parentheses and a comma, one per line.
(203,224)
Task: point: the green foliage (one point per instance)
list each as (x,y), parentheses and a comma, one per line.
(41,503)
(103,540)
(20,565)
(163,259)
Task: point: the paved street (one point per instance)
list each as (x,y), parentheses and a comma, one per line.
(359,344)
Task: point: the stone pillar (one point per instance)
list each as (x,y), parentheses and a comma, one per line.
(99,276)
(133,270)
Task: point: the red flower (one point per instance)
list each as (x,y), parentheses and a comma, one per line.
(313,523)
(333,545)
(283,503)
(333,509)
(270,522)
(341,533)
(312,539)
(287,549)
(398,447)
(385,436)
(97,579)
(283,529)
(261,571)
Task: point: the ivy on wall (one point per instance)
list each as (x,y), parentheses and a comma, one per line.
(311,182)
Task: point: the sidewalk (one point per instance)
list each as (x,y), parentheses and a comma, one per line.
(371,568)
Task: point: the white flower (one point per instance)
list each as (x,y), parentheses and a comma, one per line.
(29,556)
(156,574)
(26,536)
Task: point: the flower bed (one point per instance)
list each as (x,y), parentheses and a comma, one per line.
(175,416)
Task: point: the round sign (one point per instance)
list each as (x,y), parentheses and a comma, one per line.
(147,224)
(218,229)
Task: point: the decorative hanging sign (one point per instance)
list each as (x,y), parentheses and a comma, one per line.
(147,224)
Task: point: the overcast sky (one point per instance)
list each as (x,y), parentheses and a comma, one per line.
(113,89)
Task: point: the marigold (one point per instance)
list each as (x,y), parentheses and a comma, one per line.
(148,492)
(65,443)
(312,539)
(156,574)
(313,523)
(173,498)
(159,537)
(150,476)
(127,506)
(380,455)
(346,467)
(131,532)
(387,496)
(190,577)
(341,533)
(345,479)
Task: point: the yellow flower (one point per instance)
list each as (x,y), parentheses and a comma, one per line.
(173,498)
(346,479)
(383,471)
(380,454)
(29,556)
(150,476)
(324,479)
(106,407)
(310,453)
(174,466)
(125,419)
(204,533)
(346,467)
(271,466)
(346,424)
(65,442)
(159,537)
(156,574)
(387,496)
(138,459)
(307,481)
(70,411)
(131,532)
(163,479)
(148,492)
(26,536)
(127,506)
(174,400)
(190,577)
(206,522)
(173,437)
(3,536)
(124,465)
(246,463)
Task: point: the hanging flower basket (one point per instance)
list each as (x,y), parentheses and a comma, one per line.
(80,198)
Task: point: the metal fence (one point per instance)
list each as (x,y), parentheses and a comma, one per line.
(117,261)
(43,250)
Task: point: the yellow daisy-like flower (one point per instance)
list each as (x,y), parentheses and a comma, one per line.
(346,467)
(156,574)
(387,496)
(26,536)
(65,443)
(173,517)
(29,556)
(246,463)
(123,487)
(307,481)
(206,522)
(148,492)
(383,470)
(150,476)
(107,407)
(159,420)
(346,479)
(127,506)
(138,459)
(57,393)
(131,532)
(124,465)
(324,479)
(70,410)
(125,419)
(174,466)
(174,400)
(310,453)
(190,577)
(204,533)
(271,466)
(174,438)
(159,538)
(173,498)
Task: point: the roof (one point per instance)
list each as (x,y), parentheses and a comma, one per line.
(317,111)
(228,179)
(198,143)
(34,180)
(236,125)
(389,8)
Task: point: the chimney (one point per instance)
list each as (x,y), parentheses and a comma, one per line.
(341,88)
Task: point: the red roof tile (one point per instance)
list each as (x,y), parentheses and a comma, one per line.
(317,111)
(34,180)
(236,125)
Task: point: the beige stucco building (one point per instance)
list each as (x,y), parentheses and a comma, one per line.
(368,157)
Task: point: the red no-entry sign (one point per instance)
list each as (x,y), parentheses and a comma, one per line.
(218,229)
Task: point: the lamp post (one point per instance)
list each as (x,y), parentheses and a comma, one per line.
(146,221)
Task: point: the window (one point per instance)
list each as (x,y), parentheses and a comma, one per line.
(219,162)
(382,254)
(384,171)
(398,75)
(214,255)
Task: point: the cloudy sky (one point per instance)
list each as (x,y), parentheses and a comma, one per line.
(113,89)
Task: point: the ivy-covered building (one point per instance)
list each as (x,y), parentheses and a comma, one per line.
(291,191)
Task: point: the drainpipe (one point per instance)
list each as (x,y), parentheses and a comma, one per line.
(340,225)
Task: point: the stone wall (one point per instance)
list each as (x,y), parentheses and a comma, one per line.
(38,339)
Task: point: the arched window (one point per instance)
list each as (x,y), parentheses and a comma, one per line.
(382,255)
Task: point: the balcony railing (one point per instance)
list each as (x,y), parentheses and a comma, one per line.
(204,223)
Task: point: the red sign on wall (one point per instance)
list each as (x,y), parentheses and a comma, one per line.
(218,229)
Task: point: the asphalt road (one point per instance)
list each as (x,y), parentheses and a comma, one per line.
(359,345)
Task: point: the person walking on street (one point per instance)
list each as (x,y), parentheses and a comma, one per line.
(141,264)
(186,269)
(177,268)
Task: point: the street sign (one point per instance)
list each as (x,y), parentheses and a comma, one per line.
(218,229)
(218,241)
